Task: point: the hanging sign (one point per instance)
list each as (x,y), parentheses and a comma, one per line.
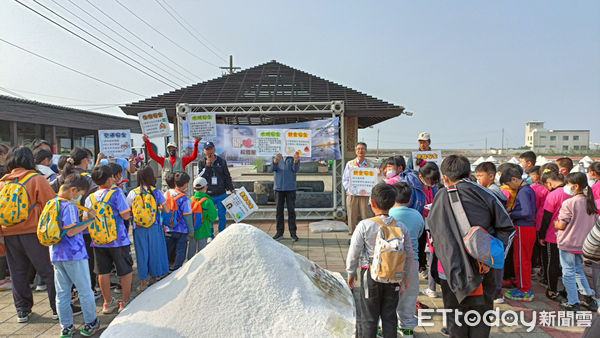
(155,123)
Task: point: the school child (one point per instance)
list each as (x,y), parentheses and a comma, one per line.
(509,193)
(540,197)
(43,160)
(382,298)
(523,216)
(576,218)
(115,251)
(415,225)
(70,259)
(534,174)
(180,225)
(527,160)
(594,179)
(565,165)
(146,202)
(553,181)
(429,175)
(485,172)
(394,170)
(204,213)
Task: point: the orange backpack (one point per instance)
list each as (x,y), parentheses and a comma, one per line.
(197,211)
(170,218)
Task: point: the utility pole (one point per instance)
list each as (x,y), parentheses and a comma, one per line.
(486,145)
(231,69)
(503,140)
(377,154)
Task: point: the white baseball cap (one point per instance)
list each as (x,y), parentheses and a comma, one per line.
(171,144)
(200,182)
(424,136)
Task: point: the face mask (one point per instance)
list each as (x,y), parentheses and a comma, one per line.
(568,189)
(172,152)
(390,173)
(497,179)
(76,200)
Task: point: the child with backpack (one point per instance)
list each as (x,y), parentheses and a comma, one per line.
(413,220)
(179,221)
(150,247)
(59,226)
(523,215)
(110,240)
(204,213)
(377,239)
(576,219)
(23,186)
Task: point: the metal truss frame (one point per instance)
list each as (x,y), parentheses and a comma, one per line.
(260,110)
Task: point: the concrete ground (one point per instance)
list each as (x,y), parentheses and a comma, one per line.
(329,250)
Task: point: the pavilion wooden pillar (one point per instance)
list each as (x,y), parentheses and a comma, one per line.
(351,137)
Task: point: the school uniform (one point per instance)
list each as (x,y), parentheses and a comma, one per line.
(149,242)
(116,252)
(70,260)
(523,216)
(177,236)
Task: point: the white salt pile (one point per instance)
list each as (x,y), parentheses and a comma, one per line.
(243,284)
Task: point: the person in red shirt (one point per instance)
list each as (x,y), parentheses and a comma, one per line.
(174,163)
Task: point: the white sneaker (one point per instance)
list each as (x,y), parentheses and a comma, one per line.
(499,300)
(429,293)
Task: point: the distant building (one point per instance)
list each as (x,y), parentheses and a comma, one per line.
(539,139)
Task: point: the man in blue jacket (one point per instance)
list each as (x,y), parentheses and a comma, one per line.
(523,217)
(285,170)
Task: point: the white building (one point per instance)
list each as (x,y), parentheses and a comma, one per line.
(539,139)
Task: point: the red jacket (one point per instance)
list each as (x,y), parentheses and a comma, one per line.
(184,160)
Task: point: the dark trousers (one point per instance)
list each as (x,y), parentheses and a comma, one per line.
(90,251)
(289,199)
(422,253)
(380,302)
(177,246)
(552,268)
(23,251)
(480,304)
(509,266)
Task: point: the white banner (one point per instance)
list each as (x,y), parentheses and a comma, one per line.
(202,124)
(155,123)
(240,204)
(269,142)
(362,180)
(428,156)
(115,143)
(298,141)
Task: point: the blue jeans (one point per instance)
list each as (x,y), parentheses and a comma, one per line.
(177,243)
(67,274)
(222,212)
(574,276)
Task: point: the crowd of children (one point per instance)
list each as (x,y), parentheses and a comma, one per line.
(72,229)
(551,208)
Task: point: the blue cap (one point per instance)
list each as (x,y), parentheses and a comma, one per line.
(208,145)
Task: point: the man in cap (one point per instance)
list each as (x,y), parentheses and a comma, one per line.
(214,169)
(174,163)
(424,145)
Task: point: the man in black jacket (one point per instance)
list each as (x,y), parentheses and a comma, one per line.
(214,169)
(464,288)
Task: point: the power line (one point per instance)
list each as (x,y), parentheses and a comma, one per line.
(195,30)
(89,42)
(40,94)
(121,45)
(188,30)
(131,42)
(6,90)
(142,40)
(163,35)
(71,69)
(111,47)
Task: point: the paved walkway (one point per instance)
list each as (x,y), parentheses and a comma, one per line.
(329,250)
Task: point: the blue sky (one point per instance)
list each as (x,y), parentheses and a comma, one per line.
(466,69)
